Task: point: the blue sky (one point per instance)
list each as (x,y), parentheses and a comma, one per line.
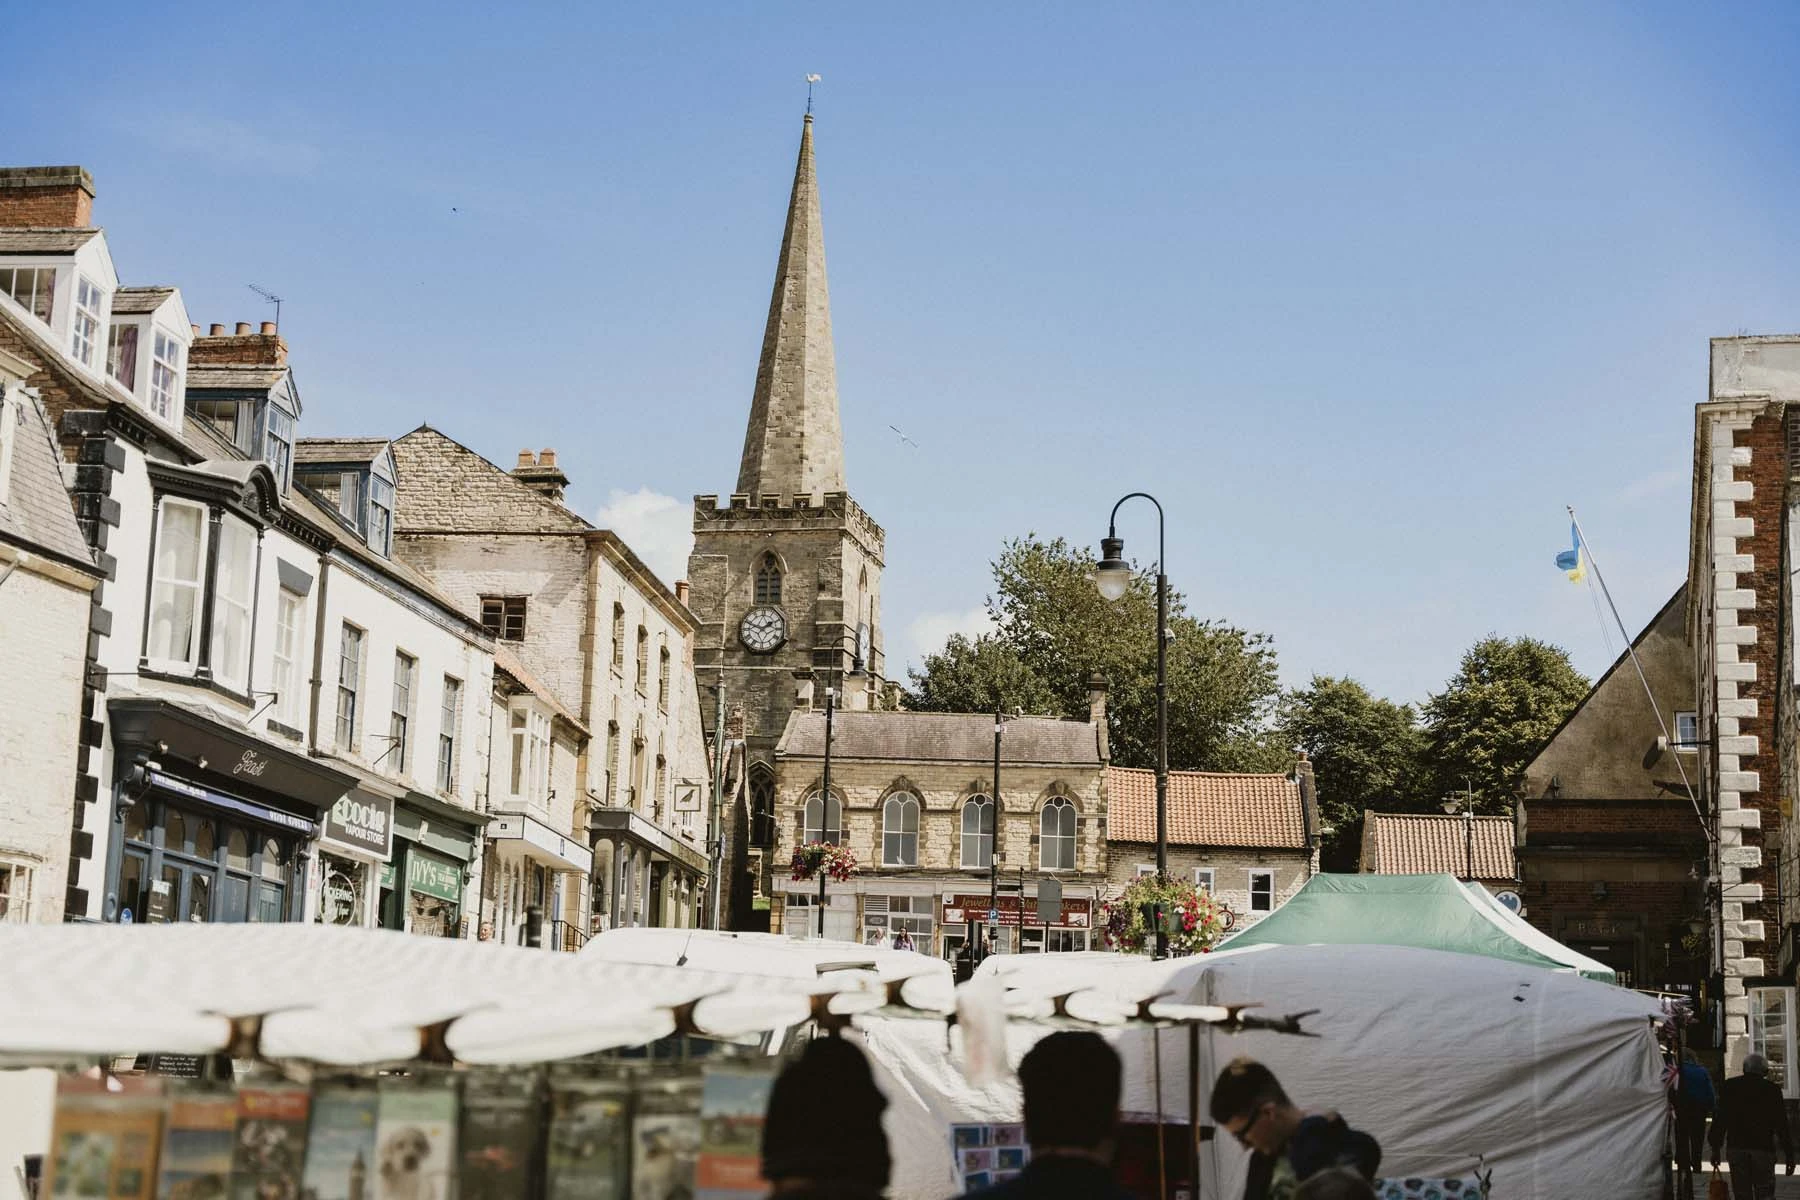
(1365,294)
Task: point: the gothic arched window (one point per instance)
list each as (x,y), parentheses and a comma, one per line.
(762,807)
(900,831)
(768,581)
(1056,835)
(978,832)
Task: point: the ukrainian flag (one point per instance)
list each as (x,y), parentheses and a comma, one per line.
(1574,560)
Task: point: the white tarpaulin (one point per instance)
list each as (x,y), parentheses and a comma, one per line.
(771,955)
(1443,1057)
(346,996)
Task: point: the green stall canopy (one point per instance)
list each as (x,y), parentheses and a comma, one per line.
(1432,912)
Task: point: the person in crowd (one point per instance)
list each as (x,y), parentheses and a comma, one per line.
(1751,1118)
(1693,1099)
(1339,1183)
(1071,1086)
(903,940)
(1288,1146)
(822,1135)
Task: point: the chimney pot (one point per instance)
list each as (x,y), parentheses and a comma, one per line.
(681,592)
(218,330)
(196,330)
(526,459)
(243,327)
(547,458)
(268,327)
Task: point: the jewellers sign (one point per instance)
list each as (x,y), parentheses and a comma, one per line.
(362,823)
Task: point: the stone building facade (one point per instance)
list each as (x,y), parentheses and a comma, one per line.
(786,573)
(1739,623)
(605,641)
(912,798)
(47,578)
(1612,845)
(1250,841)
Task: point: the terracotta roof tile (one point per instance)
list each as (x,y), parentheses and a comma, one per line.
(1425,843)
(1207,809)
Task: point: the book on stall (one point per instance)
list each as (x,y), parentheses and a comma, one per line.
(415,1140)
(665,1140)
(499,1143)
(587,1155)
(340,1143)
(733,1100)
(269,1142)
(103,1142)
(196,1146)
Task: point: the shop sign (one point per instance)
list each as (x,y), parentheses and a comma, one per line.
(340,895)
(362,823)
(433,878)
(958,909)
(236,804)
(1597,927)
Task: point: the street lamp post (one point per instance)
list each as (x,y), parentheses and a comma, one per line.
(825,804)
(1113,578)
(994,842)
(1468,811)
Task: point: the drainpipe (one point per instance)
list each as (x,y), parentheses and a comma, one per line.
(318,675)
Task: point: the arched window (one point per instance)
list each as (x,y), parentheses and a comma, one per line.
(762,806)
(1056,835)
(978,832)
(831,829)
(768,581)
(900,831)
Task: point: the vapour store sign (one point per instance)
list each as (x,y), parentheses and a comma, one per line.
(362,823)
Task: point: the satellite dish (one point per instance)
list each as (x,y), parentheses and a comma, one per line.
(1510,900)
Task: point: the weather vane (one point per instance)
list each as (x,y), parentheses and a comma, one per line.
(810,80)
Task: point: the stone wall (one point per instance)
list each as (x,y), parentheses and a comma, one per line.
(1230,865)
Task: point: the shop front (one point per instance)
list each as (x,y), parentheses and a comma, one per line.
(421,888)
(1021,928)
(536,867)
(209,822)
(356,845)
(643,876)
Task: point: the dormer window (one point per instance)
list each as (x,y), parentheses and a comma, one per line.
(381,515)
(84,340)
(33,287)
(278,444)
(165,374)
(121,355)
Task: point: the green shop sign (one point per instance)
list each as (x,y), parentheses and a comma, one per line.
(428,875)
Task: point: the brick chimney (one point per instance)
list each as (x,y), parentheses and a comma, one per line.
(1097,714)
(241,348)
(46,198)
(681,592)
(541,474)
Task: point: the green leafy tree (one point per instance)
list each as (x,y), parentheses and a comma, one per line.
(1367,753)
(1505,700)
(1054,631)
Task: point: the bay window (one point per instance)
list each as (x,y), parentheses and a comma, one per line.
(177,581)
(84,338)
(233,597)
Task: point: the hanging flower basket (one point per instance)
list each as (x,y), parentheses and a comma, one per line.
(1195,920)
(835,860)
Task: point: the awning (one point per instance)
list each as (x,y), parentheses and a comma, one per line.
(541,842)
(237,757)
(622,822)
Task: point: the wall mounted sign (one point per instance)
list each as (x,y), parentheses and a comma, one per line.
(433,877)
(362,823)
(957,909)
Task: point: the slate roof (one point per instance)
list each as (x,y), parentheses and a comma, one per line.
(445,487)
(35,511)
(1207,809)
(940,737)
(45,241)
(1423,843)
(237,375)
(337,450)
(131,301)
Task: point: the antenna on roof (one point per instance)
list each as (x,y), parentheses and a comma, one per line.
(272,298)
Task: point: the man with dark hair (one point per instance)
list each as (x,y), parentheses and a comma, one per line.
(1071,1084)
(828,1087)
(1288,1146)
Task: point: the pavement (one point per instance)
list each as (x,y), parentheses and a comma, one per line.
(1787,1187)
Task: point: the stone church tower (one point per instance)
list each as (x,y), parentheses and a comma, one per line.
(786,576)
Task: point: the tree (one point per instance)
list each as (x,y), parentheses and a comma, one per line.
(1054,631)
(1503,703)
(1367,753)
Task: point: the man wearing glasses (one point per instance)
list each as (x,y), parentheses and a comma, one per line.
(1287,1146)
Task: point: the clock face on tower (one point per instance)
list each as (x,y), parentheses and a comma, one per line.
(763,629)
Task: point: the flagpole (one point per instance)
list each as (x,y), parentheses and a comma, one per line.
(1631,649)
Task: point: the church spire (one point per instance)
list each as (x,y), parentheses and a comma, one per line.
(794,445)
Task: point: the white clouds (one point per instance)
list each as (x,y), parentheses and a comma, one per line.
(658,528)
(233,143)
(927,633)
